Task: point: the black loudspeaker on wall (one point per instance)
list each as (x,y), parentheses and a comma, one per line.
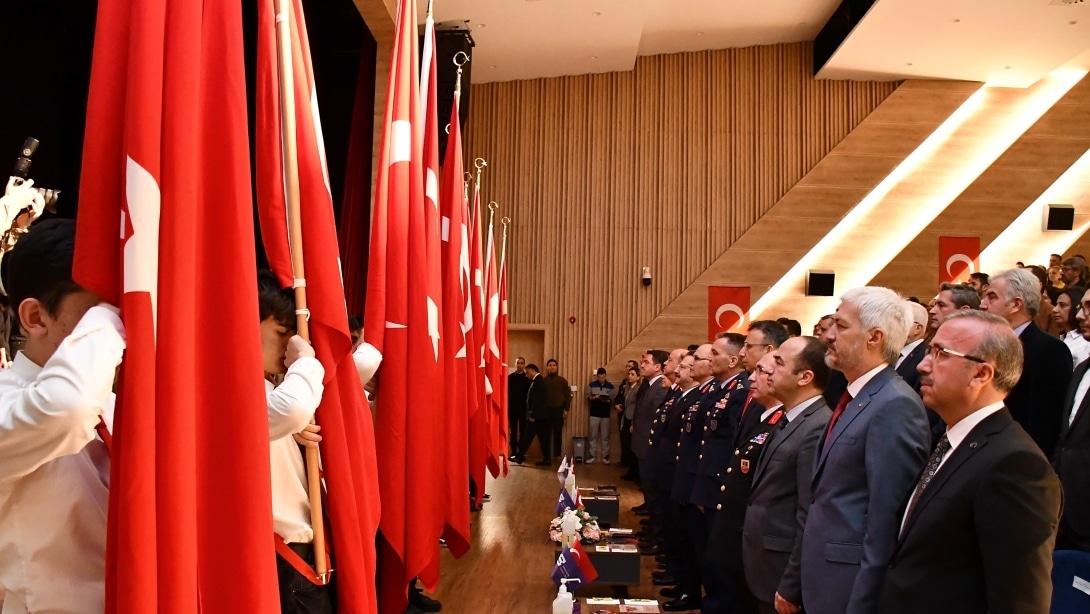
(1060,217)
(452,37)
(819,283)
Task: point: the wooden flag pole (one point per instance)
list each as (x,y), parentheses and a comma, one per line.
(295,237)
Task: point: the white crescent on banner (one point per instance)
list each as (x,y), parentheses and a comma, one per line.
(732,308)
(959,258)
(141,250)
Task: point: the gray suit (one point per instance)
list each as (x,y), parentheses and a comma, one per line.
(650,398)
(778,505)
(862,475)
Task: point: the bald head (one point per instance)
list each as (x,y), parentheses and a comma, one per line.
(917,317)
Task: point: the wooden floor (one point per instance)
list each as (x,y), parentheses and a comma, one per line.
(507,570)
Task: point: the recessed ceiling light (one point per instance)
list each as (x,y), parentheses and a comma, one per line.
(482,25)
(595,14)
(700,34)
(908,64)
(957,21)
(1006,68)
(491,65)
(594,57)
(1071,23)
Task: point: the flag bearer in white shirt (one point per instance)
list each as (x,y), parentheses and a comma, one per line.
(54,470)
(291,405)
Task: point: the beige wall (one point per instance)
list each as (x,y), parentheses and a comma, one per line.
(665,166)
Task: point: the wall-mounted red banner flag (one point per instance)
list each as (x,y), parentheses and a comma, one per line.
(728,309)
(958,257)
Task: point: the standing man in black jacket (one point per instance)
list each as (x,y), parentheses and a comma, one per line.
(537,414)
(558,400)
(1037,401)
(1072,457)
(517,387)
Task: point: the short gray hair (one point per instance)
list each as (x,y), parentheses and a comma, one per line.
(1021,284)
(999,346)
(882,309)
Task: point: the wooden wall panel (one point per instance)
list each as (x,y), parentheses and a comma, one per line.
(665,166)
(1000,194)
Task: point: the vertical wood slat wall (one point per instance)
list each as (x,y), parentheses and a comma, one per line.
(663,166)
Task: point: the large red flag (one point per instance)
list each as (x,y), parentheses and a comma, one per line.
(348,448)
(479,416)
(502,341)
(396,322)
(958,258)
(497,434)
(166,161)
(457,320)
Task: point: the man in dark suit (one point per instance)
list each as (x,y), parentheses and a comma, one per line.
(977,532)
(915,347)
(1038,400)
(652,464)
(869,457)
(537,414)
(780,495)
(1072,457)
(649,398)
(725,583)
(517,387)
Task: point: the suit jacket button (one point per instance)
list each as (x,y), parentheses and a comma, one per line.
(736,452)
(705,428)
(722,489)
(701,457)
(729,468)
(677,458)
(718,506)
(652,431)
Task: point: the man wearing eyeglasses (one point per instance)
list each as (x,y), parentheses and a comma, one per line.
(868,458)
(1037,401)
(979,526)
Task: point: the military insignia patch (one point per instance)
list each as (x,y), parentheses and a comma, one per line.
(745,465)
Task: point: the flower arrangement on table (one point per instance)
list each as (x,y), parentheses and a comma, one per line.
(587,530)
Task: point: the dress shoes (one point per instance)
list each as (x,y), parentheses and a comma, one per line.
(629,477)
(681,604)
(660,558)
(645,521)
(639,508)
(422,602)
(664,581)
(517,459)
(650,550)
(544,463)
(643,512)
(659,566)
(672,592)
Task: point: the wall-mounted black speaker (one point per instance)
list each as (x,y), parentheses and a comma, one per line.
(1060,217)
(451,37)
(819,283)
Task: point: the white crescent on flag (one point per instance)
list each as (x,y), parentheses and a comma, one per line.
(732,308)
(959,258)
(141,259)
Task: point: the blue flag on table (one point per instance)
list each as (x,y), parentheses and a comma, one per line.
(564,502)
(568,567)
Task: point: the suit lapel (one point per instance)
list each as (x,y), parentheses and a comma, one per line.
(974,441)
(1076,378)
(779,436)
(851,412)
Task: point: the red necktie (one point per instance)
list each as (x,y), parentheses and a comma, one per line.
(844,400)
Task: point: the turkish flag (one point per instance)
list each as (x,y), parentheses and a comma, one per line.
(502,333)
(480,418)
(457,320)
(958,257)
(348,443)
(728,309)
(401,321)
(494,371)
(166,160)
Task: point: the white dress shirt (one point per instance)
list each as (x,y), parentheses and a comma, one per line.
(291,406)
(1080,394)
(797,410)
(1078,345)
(906,350)
(857,385)
(54,472)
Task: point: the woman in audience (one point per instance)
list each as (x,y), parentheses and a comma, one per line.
(1067,306)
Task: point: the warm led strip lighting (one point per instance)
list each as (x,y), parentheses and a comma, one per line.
(1026,239)
(952,160)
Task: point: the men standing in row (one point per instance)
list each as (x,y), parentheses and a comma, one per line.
(675,533)
(979,527)
(1072,457)
(869,457)
(915,348)
(780,497)
(600,400)
(651,466)
(1037,401)
(518,384)
(558,400)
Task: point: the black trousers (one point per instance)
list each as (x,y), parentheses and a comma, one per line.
(626,444)
(543,431)
(557,421)
(297,594)
(681,560)
(516,424)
